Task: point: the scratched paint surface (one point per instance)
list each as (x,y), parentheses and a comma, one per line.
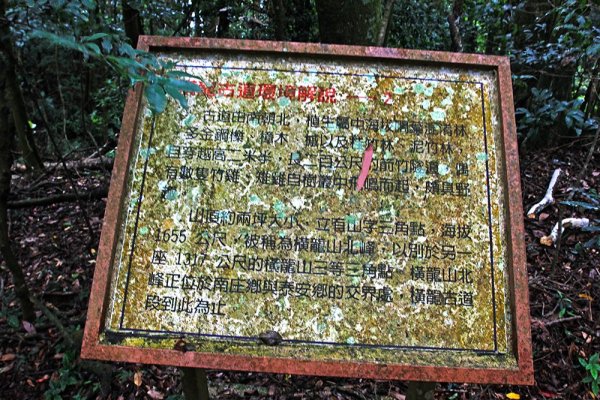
(242,215)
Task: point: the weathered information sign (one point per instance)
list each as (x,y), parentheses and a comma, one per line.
(316,212)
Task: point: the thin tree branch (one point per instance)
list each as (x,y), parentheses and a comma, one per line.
(188,13)
(387,16)
(98,193)
(453,22)
(83,211)
(560,209)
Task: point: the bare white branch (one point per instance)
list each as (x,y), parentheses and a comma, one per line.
(566,223)
(547,199)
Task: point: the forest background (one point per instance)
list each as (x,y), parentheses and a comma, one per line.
(65,68)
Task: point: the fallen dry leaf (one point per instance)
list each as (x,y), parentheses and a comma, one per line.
(397,396)
(29,328)
(156,395)
(137,379)
(8,357)
(7,368)
(549,394)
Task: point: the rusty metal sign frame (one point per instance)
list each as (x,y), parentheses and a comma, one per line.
(517,275)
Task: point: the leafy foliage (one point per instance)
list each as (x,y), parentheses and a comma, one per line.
(592,367)
(159,77)
(67,378)
(554,49)
(408,19)
(545,111)
(590,202)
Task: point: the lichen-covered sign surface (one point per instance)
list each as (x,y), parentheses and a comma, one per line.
(339,209)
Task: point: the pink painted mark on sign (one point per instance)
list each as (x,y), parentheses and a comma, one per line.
(366,166)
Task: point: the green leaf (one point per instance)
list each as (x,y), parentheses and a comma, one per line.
(593,242)
(582,362)
(180,74)
(189,120)
(176,94)
(582,204)
(167,64)
(93,47)
(125,48)
(63,41)
(13,321)
(125,62)
(148,59)
(184,86)
(595,388)
(157,98)
(107,45)
(89,4)
(569,121)
(56,4)
(593,49)
(95,36)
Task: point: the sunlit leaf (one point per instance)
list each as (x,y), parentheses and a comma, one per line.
(585,296)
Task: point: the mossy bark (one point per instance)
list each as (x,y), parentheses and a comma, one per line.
(355,22)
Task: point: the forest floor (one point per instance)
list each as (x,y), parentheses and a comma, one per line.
(57,249)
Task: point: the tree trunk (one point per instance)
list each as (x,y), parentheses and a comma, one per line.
(12,92)
(278,10)
(132,22)
(453,17)
(10,259)
(591,94)
(385,23)
(349,22)
(301,19)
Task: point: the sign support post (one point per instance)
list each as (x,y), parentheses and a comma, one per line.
(420,390)
(195,384)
